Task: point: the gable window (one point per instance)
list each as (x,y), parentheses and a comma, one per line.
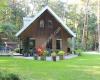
(50,24)
(41,23)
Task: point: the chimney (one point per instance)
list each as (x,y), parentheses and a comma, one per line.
(26,21)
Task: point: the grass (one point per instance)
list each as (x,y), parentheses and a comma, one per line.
(86,67)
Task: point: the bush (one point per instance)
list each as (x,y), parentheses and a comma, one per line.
(78,52)
(61,52)
(17,50)
(53,53)
(8,76)
(30,52)
(43,56)
(57,51)
(45,53)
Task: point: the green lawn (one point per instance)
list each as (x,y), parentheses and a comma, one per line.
(86,67)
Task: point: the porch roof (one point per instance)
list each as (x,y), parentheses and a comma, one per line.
(54,15)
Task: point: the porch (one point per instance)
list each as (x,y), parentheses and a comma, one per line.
(28,47)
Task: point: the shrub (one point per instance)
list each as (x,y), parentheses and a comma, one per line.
(61,52)
(17,50)
(30,51)
(8,76)
(78,52)
(43,56)
(53,53)
(45,52)
(57,51)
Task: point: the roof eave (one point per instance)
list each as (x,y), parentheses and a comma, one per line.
(60,21)
(54,15)
(18,34)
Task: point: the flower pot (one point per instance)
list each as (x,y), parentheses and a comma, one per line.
(35,57)
(54,58)
(61,57)
(43,58)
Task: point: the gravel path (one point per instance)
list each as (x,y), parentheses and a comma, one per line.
(48,58)
(91,52)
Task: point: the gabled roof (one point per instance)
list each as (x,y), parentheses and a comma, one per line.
(54,15)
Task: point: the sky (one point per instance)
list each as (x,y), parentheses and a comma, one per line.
(71,1)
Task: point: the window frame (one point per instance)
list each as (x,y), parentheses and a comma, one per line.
(42,23)
(50,23)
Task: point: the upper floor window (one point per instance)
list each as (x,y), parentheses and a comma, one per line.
(50,24)
(41,23)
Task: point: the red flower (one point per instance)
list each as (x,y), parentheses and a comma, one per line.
(40,51)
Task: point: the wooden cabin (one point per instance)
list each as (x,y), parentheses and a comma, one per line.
(46,29)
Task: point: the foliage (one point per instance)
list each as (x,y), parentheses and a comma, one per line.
(40,51)
(78,52)
(61,52)
(1,43)
(45,52)
(17,16)
(3,3)
(17,50)
(53,53)
(30,51)
(8,30)
(8,76)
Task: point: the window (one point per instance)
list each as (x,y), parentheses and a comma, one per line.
(59,44)
(50,23)
(41,23)
(49,44)
(32,43)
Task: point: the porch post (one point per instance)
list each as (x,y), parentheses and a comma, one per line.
(53,43)
(73,44)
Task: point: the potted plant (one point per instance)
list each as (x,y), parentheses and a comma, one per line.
(30,51)
(61,54)
(43,55)
(53,54)
(17,50)
(35,54)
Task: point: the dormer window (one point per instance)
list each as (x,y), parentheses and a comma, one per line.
(50,24)
(41,23)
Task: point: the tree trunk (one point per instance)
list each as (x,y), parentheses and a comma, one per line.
(85,28)
(98,23)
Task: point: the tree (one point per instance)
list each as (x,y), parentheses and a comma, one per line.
(8,30)
(85,28)
(17,13)
(3,10)
(98,23)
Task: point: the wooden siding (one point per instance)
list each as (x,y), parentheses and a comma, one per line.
(42,34)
